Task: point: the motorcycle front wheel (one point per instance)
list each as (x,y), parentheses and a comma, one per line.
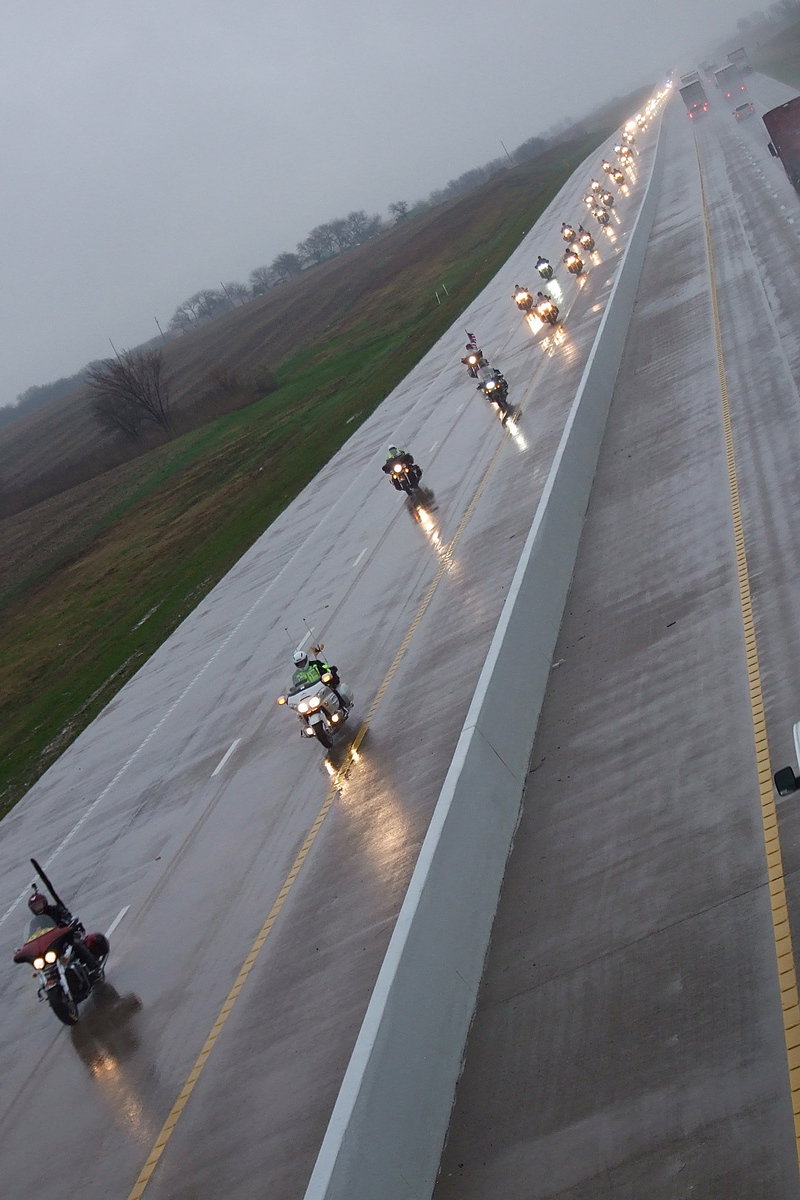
(322,737)
(63,1005)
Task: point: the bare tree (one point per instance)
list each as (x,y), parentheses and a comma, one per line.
(237,293)
(341,234)
(261,280)
(363,227)
(130,391)
(118,414)
(319,245)
(399,209)
(202,306)
(287,265)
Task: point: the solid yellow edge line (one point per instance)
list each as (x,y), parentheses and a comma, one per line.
(175,1112)
(787,975)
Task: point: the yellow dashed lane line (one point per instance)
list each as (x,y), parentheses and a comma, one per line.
(168,1127)
(787,976)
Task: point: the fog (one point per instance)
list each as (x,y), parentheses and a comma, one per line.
(154,149)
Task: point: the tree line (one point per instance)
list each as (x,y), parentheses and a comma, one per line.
(131,417)
(323,242)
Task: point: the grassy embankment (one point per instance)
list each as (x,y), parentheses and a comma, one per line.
(779,56)
(73,635)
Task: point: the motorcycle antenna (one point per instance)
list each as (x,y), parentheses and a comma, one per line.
(41,873)
(318,646)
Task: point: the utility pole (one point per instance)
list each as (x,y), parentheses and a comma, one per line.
(508,156)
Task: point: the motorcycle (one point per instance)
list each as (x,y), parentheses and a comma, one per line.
(523,300)
(573,263)
(567,232)
(607,199)
(544,268)
(472,361)
(606,165)
(617,175)
(595,185)
(404,473)
(586,241)
(601,215)
(495,388)
(322,707)
(547,311)
(66,975)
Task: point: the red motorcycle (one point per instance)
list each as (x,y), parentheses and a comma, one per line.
(67,962)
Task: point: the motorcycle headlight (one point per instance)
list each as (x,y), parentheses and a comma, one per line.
(50,956)
(491,385)
(303,706)
(39,964)
(397,468)
(314,702)
(472,360)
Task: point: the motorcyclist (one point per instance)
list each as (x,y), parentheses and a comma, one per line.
(59,915)
(396,455)
(567,232)
(494,375)
(473,351)
(542,264)
(308,671)
(520,293)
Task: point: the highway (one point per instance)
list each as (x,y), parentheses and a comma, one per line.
(629,1038)
(193,818)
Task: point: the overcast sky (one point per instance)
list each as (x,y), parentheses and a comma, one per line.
(153,148)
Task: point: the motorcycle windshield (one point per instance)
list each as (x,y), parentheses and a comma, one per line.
(37,926)
(43,935)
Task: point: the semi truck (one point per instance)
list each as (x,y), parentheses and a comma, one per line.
(783,127)
(740,60)
(694,98)
(690,78)
(729,81)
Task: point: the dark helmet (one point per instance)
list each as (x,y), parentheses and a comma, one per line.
(37,903)
(393,451)
(97,944)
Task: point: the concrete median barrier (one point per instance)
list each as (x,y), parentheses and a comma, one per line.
(390,1119)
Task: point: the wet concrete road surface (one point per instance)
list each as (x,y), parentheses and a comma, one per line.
(629,1039)
(187,802)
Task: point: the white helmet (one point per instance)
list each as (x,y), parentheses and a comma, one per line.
(300,658)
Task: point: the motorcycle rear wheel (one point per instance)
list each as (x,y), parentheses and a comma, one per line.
(63,1005)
